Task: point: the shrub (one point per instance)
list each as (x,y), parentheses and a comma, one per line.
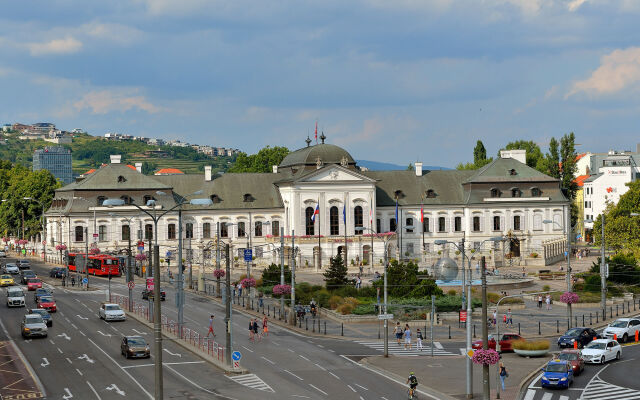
(346,291)
(546,288)
(533,255)
(271,274)
(531,345)
(259,282)
(493,297)
(322,297)
(345,308)
(352,300)
(281,290)
(485,357)
(368,291)
(303,288)
(335,301)
(452,292)
(569,298)
(365,309)
(365,262)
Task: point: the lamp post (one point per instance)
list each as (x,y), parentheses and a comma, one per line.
(569,230)
(44,228)
(129,271)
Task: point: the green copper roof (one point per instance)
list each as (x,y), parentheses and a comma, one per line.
(327,153)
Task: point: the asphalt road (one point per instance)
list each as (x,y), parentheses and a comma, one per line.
(283,365)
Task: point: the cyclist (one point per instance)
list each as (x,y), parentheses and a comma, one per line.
(413,383)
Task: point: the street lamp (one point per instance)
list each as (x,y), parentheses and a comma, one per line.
(129,272)
(569,234)
(44,230)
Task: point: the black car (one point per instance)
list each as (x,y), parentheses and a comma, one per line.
(58,272)
(23,264)
(44,313)
(148,295)
(28,274)
(581,335)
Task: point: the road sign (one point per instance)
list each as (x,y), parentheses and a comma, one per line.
(168,255)
(236,355)
(150,283)
(131,284)
(470,353)
(385,316)
(95,235)
(236,364)
(463,315)
(85,280)
(248,255)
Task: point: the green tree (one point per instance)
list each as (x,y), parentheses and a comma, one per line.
(271,275)
(402,281)
(263,161)
(479,153)
(622,230)
(148,168)
(535,158)
(410,167)
(552,160)
(335,276)
(623,269)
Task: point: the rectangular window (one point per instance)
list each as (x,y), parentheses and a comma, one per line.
(409,225)
(392,225)
(79,234)
(189,230)
(224,230)
(171,231)
(457,224)
(586,204)
(425,225)
(241,230)
(275,228)
(148,232)
(476,224)
(102,233)
(378,225)
(206,230)
(125,231)
(410,248)
(496,223)
(258,229)
(516,222)
(441,224)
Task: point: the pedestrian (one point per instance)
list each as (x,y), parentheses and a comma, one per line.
(251,335)
(509,318)
(361,269)
(407,337)
(524,274)
(419,339)
(504,319)
(260,300)
(265,326)
(503,374)
(540,301)
(495,317)
(239,289)
(548,301)
(358,282)
(398,331)
(255,329)
(73,280)
(211,332)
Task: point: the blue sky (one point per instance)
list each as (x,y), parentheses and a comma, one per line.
(393,81)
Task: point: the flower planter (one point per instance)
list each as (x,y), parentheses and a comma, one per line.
(531,353)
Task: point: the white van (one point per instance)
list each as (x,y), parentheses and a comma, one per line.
(15,297)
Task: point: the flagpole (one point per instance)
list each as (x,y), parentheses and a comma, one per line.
(422,222)
(346,245)
(319,264)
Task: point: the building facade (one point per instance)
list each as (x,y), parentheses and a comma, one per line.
(320,197)
(56,160)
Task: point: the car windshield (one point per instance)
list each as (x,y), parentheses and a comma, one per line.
(597,346)
(619,324)
(15,293)
(34,319)
(137,342)
(6,277)
(112,308)
(556,368)
(34,281)
(46,299)
(573,332)
(568,356)
(40,311)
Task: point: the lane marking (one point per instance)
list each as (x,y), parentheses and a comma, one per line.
(334,375)
(45,362)
(247,349)
(82,333)
(59,350)
(530,394)
(267,360)
(74,325)
(164,363)
(547,396)
(68,394)
(195,384)
(360,386)
(69,360)
(349,386)
(319,390)
(78,371)
(94,391)
(173,354)
(115,388)
(320,366)
(304,357)
(291,373)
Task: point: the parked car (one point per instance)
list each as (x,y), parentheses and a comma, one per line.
(23,264)
(557,373)
(33,325)
(148,295)
(6,280)
(58,272)
(3,253)
(505,342)
(33,284)
(44,314)
(28,274)
(601,351)
(111,312)
(623,328)
(47,303)
(42,292)
(573,357)
(11,268)
(135,346)
(581,335)
(15,297)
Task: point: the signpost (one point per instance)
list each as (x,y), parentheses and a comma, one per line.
(131,284)
(385,316)
(150,283)
(85,280)
(248,255)
(236,356)
(462,316)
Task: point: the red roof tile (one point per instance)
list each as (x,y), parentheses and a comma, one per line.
(580,180)
(168,171)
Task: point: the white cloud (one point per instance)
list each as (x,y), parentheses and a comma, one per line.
(117,33)
(575,4)
(67,45)
(110,100)
(618,70)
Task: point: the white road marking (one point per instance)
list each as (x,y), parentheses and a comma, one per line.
(59,350)
(78,371)
(51,341)
(319,390)
(320,366)
(94,391)
(173,354)
(82,333)
(164,363)
(291,350)
(81,317)
(115,389)
(85,357)
(349,386)
(64,336)
(74,325)
(564,398)
(138,332)
(69,360)
(248,349)
(301,356)
(333,351)
(547,396)
(291,373)
(530,394)
(68,320)
(267,360)
(438,345)
(45,362)
(334,375)
(67,394)
(103,334)
(252,381)
(362,387)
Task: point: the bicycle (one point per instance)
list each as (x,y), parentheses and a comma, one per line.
(411,394)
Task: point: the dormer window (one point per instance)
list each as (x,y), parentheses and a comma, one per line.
(515,192)
(495,192)
(126,199)
(121,179)
(247,198)
(431,194)
(398,194)
(215,199)
(101,200)
(536,192)
(512,172)
(148,198)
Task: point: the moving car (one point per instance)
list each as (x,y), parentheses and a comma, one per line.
(23,264)
(135,346)
(58,272)
(557,373)
(42,292)
(623,328)
(111,312)
(28,274)
(573,357)
(15,297)
(505,342)
(33,284)
(601,351)
(44,314)
(3,253)
(6,280)
(148,295)
(11,268)
(33,325)
(47,303)
(581,335)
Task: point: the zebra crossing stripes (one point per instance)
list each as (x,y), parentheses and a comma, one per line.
(414,352)
(531,395)
(252,381)
(599,389)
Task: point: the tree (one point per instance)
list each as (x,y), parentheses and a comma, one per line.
(402,281)
(623,269)
(535,158)
(335,276)
(263,161)
(552,160)
(622,230)
(479,153)
(410,167)
(271,275)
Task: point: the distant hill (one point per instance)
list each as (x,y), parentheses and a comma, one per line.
(382,166)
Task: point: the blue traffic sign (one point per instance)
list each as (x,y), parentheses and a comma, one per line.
(248,255)
(236,356)
(168,254)
(85,280)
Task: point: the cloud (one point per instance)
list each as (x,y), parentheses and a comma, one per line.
(110,100)
(618,70)
(67,45)
(118,33)
(575,4)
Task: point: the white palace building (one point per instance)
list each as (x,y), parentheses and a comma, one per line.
(505,198)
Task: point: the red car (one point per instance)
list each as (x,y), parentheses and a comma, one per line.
(574,357)
(505,342)
(47,303)
(33,284)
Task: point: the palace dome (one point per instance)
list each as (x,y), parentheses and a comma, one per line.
(325,153)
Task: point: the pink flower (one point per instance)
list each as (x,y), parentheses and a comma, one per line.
(485,357)
(61,247)
(569,298)
(281,289)
(248,282)
(94,250)
(219,273)
(141,257)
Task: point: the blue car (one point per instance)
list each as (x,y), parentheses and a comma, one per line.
(581,335)
(557,374)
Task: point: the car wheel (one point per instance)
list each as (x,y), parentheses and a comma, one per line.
(618,356)
(602,360)
(625,337)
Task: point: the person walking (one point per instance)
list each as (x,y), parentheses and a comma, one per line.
(540,302)
(503,374)
(509,317)
(255,329)
(548,301)
(407,337)
(260,300)
(239,289)
(419,339)
(251,334)
(211,332)
(265,326)
(398,332)
(495,317)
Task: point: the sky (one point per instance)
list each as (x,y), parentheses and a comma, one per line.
(392,81)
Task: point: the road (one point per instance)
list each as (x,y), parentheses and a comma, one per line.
(283,365)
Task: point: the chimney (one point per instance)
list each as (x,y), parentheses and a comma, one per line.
(207,173)
(418,166)
(275,169)
(115,158)
(518,155)
(638,148)
(139,167)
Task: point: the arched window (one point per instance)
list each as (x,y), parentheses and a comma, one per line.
(188,232)
(535,192)
(358,219)
(241,229)
(79,234)
(425,224)
(442,224)
(334,221)
(121,179)
(476,224)
(215,199)
(148,232)
(126,199)
(516,222)
(515,192)
(147,198)
(102,233)
(308,221)
(258,229)
(275,228)
(247,198)
(224,230)
(495,192)
(206,230)
(496,223)
(457,224)
(101,200)
(431,194)
(409,225)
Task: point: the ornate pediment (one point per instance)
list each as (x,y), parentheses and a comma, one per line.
(335,173)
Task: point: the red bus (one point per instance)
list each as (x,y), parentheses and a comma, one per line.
(99,264)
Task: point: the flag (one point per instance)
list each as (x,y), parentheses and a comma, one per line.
(315,212)
(344,213)
(316,132)
(422,213)
(396,211)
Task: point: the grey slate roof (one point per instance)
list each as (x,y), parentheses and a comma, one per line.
(498,171)
(328,153)
(106,178)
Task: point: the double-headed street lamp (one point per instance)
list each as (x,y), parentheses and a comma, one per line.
(569,230)
(44,229)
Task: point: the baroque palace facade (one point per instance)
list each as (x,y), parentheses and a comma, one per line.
(505,198)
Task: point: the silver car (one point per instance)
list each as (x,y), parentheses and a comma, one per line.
(33,325)
(11,268)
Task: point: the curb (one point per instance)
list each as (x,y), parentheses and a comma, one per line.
(528,378)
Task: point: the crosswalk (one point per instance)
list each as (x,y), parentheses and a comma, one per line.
(599,389)
(252,381)
(531,395)
(396,350)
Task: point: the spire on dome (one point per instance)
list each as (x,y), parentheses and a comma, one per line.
(322,137)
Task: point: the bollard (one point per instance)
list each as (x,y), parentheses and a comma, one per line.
(474,331)
(597,316)
(325,327)
(576,320)
(449,331)
(557,326)
(615,337)
(590,320)
(575,345)
(242,301)
(582,319)
(313,327)
(306,324)
(341,328)
(518,328)
(610,311)
(616,307)
(268,311)
(539,332)
(568,323)
(636,333)
(300,324)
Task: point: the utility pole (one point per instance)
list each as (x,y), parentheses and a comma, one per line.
(486,390)
(179,283)
(282,269)
(157,325)
(293,277)
(603,274)
(386,321)
(468,363)
(227,305)
(569,236)
(433,316)
(129,270)
(218,256)
(86,256)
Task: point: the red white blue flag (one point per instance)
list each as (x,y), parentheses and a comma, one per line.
(315,212)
